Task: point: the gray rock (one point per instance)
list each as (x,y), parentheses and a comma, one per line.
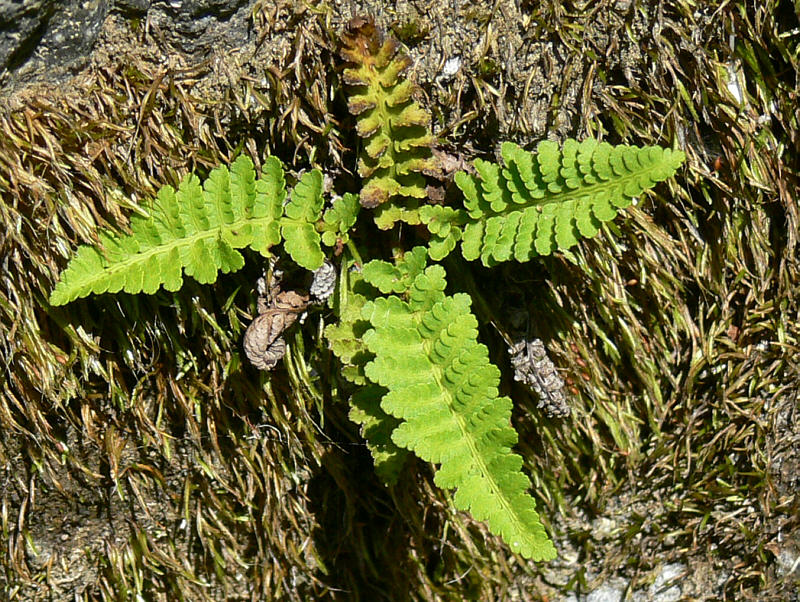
(132,8)
(612,591)
(661,590)
(21,27)
(788,563)
(46,36)
(195,26)
(49,40)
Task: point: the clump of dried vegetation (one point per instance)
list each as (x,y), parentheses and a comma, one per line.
(140,456)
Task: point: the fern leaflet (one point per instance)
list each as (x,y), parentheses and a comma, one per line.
(338,220)
(396,277)
(345,338)
(377,427)
(346,341)
(298,226)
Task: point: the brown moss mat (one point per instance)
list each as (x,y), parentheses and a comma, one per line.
(141,457)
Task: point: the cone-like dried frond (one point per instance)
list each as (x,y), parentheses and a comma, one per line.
(395,128)
(444,389)
(548,200)
(197,229)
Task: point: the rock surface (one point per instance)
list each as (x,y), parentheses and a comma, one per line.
(49,40)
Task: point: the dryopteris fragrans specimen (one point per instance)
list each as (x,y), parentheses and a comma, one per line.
(425,382)
(545,201)
(443,388)
(197,229)
(397,138)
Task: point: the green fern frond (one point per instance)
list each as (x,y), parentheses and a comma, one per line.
(396,130)
(539,202)
(346,341)
(441,385)
(197,229)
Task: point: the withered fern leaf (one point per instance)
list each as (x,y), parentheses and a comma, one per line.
(395,128)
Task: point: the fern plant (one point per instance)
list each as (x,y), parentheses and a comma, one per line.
(421,380)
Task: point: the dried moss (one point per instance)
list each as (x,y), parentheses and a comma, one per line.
(185,475)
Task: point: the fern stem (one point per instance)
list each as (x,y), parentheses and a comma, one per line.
(354,251)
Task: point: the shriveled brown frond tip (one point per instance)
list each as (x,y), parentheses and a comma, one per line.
(364,46)
(362,38)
